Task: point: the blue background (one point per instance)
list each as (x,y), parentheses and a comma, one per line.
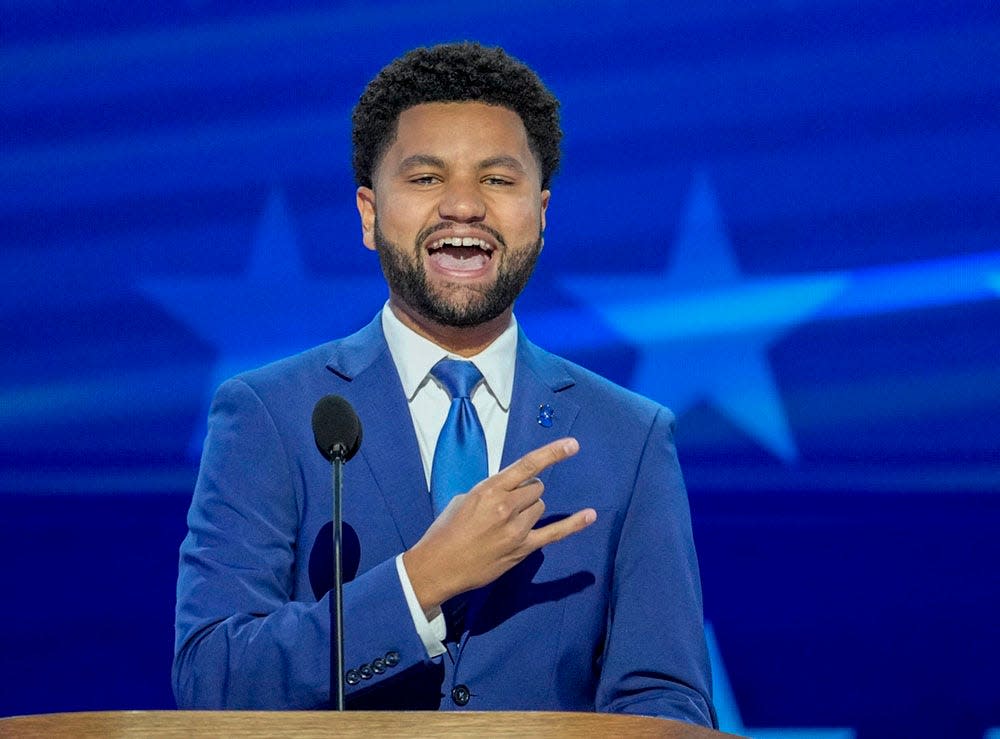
(779,218)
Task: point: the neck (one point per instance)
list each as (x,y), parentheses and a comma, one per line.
(465,341)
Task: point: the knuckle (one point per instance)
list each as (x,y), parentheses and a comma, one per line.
(484,486)
(528,467)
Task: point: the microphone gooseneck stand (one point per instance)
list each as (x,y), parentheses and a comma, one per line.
(337,431)
(338,579)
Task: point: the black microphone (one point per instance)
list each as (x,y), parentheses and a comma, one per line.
(336,427)
(337,430)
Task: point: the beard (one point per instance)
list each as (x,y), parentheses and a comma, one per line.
(453,304)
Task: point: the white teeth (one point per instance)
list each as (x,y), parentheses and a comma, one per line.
(461,241)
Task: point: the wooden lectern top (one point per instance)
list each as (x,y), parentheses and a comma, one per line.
(348,724)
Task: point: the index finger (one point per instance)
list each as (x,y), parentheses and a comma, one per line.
(532,463)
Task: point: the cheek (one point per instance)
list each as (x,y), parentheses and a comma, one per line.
(402,221)
(522,216)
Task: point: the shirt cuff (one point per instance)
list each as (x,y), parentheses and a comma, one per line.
(431,633)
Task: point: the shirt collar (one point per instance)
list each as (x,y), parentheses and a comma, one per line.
(414,356)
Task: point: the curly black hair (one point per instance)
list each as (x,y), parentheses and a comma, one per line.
(454,73)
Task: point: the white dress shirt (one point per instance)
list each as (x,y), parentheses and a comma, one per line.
(429,402)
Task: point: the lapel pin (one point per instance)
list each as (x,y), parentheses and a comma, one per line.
(545,414)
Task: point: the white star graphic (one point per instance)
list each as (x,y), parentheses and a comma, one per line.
(702,328)
(273,309)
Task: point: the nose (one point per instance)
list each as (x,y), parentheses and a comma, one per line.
(462,202)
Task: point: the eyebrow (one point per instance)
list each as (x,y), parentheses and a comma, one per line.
(428,160)
(503,160)
(421,160)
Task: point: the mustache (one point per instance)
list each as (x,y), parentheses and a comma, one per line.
(424,235)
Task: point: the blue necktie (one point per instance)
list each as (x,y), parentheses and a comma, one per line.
(460,454)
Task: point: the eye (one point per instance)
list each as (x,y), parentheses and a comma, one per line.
(425,179)
(494,179)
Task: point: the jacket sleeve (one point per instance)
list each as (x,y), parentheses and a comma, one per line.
(656,659)
(244,637)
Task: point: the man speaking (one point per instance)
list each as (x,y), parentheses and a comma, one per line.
(516,529)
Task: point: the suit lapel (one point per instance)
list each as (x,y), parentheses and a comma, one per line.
(389,444)
(539,379)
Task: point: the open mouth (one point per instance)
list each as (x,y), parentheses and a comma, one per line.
(460,254)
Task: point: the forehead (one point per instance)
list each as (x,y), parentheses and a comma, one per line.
(460,131)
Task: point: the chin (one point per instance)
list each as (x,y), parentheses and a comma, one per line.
(462,314)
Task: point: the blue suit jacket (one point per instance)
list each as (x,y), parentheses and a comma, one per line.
(608,619)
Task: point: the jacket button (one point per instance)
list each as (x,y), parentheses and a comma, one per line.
(352,677)
(366,672)
(460,694)
(391,659)
(378,665)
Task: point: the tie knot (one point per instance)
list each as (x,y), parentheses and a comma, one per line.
(458,376)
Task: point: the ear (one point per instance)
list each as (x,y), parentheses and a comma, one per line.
(546,194)
(366,209)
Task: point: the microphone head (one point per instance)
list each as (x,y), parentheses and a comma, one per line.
(336,427)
